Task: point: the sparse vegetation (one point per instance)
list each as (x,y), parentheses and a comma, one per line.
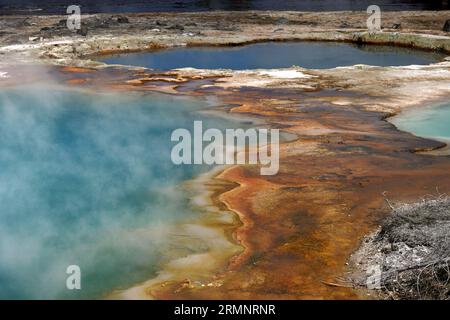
(412,250)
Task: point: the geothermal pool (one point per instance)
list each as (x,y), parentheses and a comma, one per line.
(87,180)
(270,55)
(431,122)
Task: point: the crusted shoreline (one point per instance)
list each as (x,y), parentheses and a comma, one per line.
(213,228)
(329,192)
(46,37)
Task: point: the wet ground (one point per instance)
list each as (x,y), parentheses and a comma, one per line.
(329,193)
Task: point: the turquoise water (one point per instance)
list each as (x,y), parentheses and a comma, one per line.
(432,122)
(270,55)
(86,179)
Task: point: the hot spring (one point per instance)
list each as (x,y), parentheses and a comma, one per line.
(270,55)
(430,122)
(87,180)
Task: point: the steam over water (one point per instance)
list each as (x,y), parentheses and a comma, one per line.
(87,180)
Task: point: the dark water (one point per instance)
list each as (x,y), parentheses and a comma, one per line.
(90,6)
(312,55)
(87,180)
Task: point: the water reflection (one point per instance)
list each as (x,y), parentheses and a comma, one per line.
(312,55)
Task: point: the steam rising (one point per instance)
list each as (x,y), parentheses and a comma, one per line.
(87,180)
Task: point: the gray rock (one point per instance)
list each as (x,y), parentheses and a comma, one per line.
(226,27)
(83,31)
(26,22)
(345,25)
(62,23)
(282,21)
(446,26)
(161,23)
(176,27)
(122,19)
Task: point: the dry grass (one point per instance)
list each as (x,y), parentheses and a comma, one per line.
(415,243)
(411,251)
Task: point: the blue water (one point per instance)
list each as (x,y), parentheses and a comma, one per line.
(312,55)
(86,179)
(432,122)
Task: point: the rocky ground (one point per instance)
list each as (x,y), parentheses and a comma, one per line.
(48,37)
